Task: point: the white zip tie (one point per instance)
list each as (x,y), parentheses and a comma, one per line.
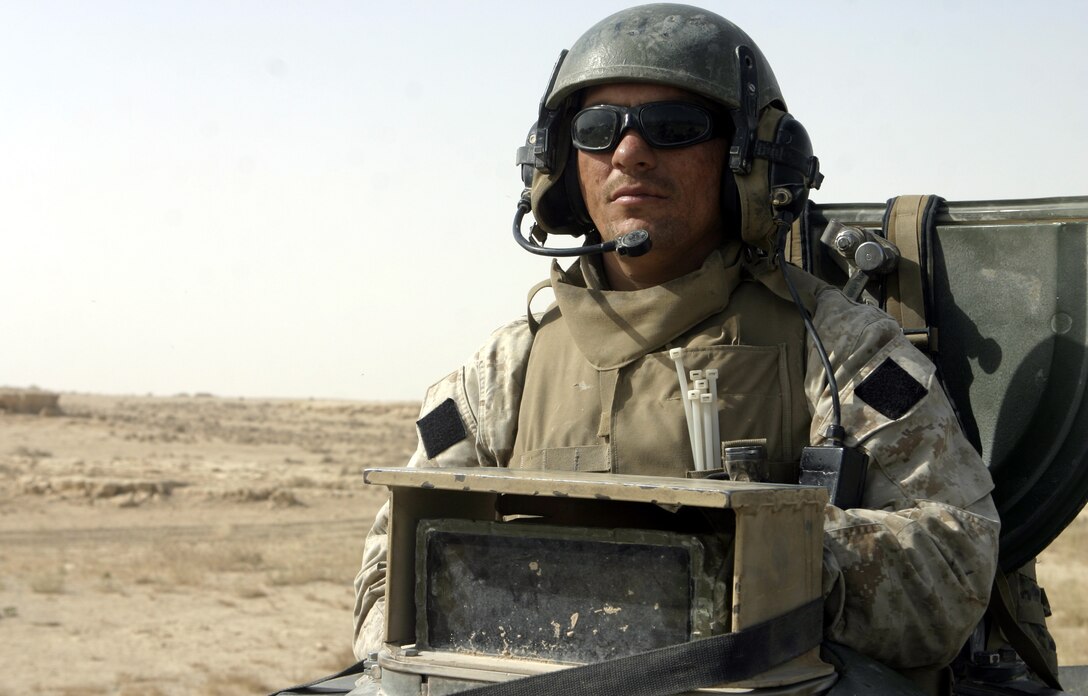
(709,460)
(677,355)
(697,421)
(712,377)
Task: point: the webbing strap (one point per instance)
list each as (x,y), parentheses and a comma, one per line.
(795,240)
(675,669)
(908,225)
(533,323)
(1001,604)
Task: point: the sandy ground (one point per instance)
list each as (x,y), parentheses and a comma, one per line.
(203,545)
(185,545)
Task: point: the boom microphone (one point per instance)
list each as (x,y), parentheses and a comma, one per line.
(634,243)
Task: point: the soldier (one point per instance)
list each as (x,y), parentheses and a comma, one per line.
(667,119)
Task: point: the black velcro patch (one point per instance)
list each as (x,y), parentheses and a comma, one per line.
(441,429)
(890,390)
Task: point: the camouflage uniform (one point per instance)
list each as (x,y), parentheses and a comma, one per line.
(906,577)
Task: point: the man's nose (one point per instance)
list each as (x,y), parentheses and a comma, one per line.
(633,152)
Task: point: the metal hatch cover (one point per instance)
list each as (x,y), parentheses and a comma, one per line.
(1007,281)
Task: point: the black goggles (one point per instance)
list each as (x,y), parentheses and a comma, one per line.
(663,124)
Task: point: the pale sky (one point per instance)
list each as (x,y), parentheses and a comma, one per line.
(314,198)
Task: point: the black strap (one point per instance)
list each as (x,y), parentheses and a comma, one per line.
(730,657)
(809,165)
(315,687)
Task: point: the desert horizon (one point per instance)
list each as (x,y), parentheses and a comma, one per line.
(200,543)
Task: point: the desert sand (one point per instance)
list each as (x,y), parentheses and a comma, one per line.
(194,544)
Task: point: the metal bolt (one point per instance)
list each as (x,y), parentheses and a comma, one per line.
(870,256)
(847,239)
(780,197)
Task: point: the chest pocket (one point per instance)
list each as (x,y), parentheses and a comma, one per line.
(645,431)
(650,433)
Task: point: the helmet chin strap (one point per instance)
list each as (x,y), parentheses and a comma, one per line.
(633,243)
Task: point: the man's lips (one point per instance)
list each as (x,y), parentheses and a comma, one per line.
(634,194)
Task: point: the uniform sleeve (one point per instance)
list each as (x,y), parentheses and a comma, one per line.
(468,418)
(908,575)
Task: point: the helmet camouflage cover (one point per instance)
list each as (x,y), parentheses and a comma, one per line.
(684,47)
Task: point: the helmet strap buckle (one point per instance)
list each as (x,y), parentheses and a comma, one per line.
(543,142)
(745,118)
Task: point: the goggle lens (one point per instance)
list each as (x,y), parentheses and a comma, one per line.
(661,124)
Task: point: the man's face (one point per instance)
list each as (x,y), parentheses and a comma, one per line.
(674,194)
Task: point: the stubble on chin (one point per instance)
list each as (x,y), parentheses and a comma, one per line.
(620,219)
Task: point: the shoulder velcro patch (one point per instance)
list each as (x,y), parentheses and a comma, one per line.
(890,390)
(441,429)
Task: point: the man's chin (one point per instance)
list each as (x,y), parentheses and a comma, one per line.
(632,225)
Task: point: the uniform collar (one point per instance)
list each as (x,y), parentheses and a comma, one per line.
(613,328)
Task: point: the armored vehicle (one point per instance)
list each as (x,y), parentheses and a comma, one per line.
(515,582)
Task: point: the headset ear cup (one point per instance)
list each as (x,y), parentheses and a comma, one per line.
(787,182)
(776,188)
(556,196)
(757,224)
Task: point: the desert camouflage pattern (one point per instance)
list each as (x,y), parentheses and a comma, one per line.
(487,391)
(906,577)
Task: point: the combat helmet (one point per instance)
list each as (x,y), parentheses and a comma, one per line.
(770,158)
